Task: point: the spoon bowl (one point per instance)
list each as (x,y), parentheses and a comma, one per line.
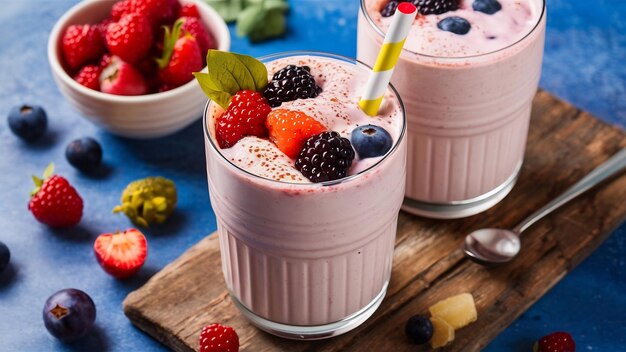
(492,246)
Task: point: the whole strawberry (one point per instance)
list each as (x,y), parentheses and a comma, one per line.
(120,9)
(120,78)
(245,116)
(156,11)
(181,57)
(198,30)
(130,38)
(89,76)
(189,10)
(218,338)
(81,44)
(556,342)
(54,201)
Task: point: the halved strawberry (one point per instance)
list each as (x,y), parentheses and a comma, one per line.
(121,254)
(289,129)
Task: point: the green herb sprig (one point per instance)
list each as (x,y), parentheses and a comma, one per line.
(257,19)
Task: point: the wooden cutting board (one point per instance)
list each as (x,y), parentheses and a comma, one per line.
(564,144)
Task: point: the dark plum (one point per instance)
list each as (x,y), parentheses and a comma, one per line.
(69,314)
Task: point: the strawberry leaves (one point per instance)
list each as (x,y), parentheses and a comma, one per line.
(229,73)
(169,41)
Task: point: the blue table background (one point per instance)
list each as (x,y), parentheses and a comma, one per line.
(584,64)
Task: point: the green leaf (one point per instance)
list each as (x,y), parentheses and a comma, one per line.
(229,73)
(273,25)
(228,9)
(221,98)
(48,171)
(249,19)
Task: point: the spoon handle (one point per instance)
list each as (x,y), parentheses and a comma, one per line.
(609,168)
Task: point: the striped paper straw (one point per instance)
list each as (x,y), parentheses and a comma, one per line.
(387,58)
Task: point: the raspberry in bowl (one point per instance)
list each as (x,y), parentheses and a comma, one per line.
(102,55)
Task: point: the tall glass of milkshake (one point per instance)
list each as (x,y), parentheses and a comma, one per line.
(308,259)
(467,75)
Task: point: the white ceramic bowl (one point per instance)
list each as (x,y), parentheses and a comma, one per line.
(142,116)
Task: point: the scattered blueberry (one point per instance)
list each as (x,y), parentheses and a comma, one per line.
(28,122)
(84,154)
(69,314)
(371,141)
(487,6)
(419,329)
(454,24)
(5,256)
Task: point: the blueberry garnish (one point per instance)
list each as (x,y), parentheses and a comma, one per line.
(371,141)
(419,329)
(5,256)
(84,154)
(487,6)
(454,24)
(28,122)
(69,314)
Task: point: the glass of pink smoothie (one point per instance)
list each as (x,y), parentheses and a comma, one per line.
(308,260)
(468,100)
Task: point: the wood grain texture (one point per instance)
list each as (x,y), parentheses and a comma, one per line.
(563,145)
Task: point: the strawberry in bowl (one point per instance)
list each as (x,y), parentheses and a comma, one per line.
(127,65)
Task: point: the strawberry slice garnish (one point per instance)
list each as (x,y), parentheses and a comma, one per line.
(121,254)
(289,129)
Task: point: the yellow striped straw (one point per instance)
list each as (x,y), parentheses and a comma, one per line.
(387,58)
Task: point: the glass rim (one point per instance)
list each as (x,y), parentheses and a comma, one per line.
(382,35)
(349,178)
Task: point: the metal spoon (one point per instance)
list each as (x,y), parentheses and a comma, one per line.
(497,246)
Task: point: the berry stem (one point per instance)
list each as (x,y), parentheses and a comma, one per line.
(169,40)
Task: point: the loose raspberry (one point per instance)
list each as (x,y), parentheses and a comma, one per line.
(289,129)
(291,83)
(198,30)
(325,157)
(120,9)
(245,116)
(55,202)
(81,44)
(189,10)
(130,38)
(157,11)
(556,342)
(218,338)
(89,76)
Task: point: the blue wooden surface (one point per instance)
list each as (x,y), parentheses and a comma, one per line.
(584,64)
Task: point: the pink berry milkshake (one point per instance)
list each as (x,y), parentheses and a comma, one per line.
(305,259)
(467,75)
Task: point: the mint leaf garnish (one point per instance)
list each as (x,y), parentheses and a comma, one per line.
(230,73)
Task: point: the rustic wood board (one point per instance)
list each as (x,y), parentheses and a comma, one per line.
(564,144)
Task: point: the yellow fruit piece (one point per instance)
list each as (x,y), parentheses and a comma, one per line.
(443,333)
(457,311)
